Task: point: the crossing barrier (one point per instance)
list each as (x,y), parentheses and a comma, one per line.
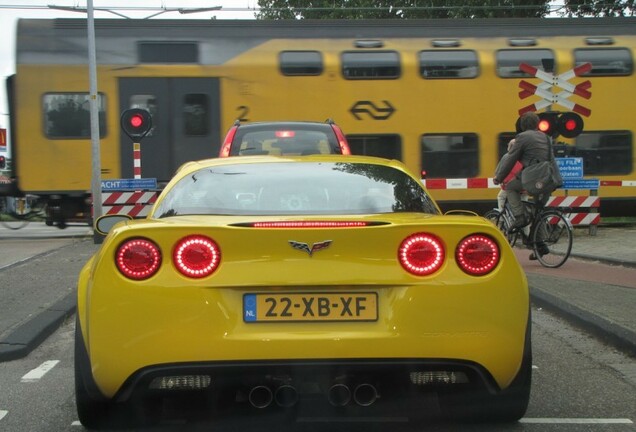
(135,204)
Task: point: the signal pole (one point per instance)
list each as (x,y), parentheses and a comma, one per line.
(96,181)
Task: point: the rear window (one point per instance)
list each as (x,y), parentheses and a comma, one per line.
(284,140)
(304,188)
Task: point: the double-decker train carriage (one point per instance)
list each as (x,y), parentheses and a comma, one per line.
(439,95)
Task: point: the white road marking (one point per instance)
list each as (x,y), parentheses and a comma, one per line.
(76,423)
(548,420)
(3,413)
(37,373)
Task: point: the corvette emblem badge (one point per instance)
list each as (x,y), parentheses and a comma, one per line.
(310,250)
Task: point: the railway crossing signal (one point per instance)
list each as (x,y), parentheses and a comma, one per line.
(566,124)
(136,123)
(544,90)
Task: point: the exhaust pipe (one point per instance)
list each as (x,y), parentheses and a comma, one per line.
(260,396)
(339,395)
(286,396)
(365,394)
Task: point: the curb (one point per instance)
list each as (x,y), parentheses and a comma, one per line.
(618,335)
(29,335)
(604,260)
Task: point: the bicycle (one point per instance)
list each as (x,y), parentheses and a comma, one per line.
(549,235)
(17,212)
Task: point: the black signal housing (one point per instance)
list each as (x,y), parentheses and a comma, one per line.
(136,123)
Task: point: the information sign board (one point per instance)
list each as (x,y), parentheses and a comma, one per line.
(581,183)
(570,167)
(129,184)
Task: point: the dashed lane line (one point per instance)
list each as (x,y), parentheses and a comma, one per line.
(37,373)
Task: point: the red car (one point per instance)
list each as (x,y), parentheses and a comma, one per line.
(284,139)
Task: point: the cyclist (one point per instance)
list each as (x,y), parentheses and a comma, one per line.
(530,146)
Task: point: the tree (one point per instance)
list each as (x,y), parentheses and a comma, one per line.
(599,8)
(402,9)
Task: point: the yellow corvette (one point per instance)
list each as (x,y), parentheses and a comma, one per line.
(323,285)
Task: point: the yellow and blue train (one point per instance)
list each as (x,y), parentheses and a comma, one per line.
(440,95)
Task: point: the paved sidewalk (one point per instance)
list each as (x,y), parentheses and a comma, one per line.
(604,301)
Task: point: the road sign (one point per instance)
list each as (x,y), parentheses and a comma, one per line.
(129,184)
(581,184)
(570,168)
(544,90)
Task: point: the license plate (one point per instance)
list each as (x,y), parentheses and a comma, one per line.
(268,307)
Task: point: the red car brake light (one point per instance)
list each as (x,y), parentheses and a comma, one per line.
(421,254)
(342,140)
(138,258)
(285,134)
(477,254)
(196,256)
(227,143)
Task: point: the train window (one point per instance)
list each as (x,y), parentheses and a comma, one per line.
(606,152)
(450,155)
(502,143)
(196,115)
(387,146)
(300,63)
(168,52)
(508,61)
(448,64)
(605,61)
(371,65)
(67,115)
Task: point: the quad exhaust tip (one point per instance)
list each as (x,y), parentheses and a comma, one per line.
(364,394)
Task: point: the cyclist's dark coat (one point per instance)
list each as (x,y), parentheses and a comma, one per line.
(530,146)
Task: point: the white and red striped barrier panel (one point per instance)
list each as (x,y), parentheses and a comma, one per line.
(591,217)
(135,204)
(544,90)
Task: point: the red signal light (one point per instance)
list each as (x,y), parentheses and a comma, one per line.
(570,125)
(136,121)
(544,126)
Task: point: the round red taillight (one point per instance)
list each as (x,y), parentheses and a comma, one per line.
(421,254)
(196,256)
(138,258)
(477,254)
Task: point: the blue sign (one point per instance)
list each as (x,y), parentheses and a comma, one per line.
(570,168)
(581,183)
(129,184)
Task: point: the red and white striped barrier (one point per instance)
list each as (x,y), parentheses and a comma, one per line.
(579,218)
(135,204)
(578,202)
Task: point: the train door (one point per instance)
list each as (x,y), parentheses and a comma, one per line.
(185,118)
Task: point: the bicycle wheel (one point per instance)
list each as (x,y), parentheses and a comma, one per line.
(9,217)
(504,223)
(552,239)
